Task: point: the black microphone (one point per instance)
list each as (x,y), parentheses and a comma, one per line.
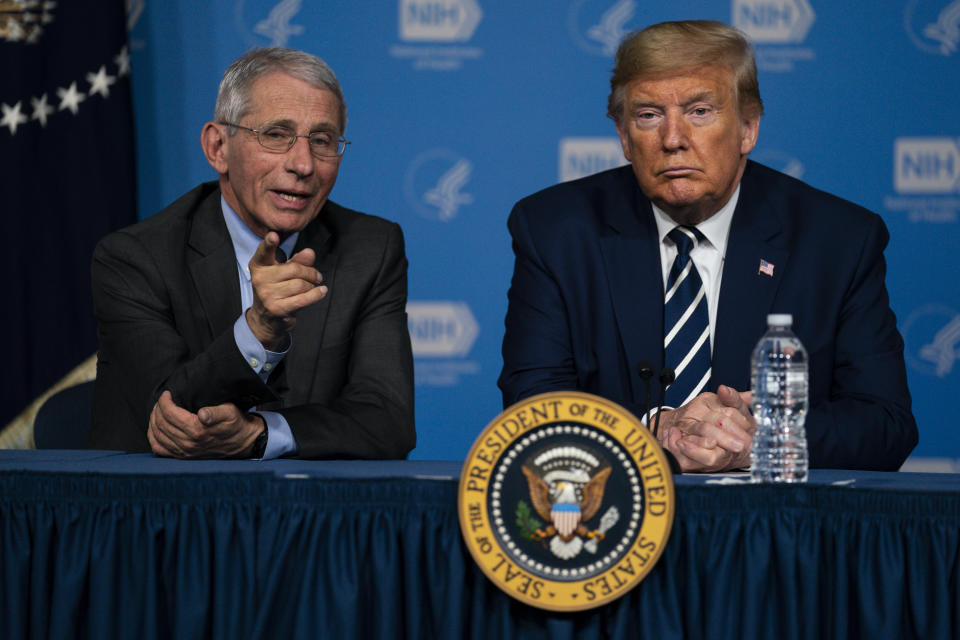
(667,376)
(645,369)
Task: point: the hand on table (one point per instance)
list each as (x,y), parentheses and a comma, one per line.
(711,433)
(220,431)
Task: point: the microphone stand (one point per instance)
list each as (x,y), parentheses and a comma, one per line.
(645,370)
(666,377)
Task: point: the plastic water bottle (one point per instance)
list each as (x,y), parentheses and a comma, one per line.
(779,381)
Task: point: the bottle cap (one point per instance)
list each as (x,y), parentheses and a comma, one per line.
(779,320)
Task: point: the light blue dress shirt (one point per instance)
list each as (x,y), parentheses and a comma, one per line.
(245,242)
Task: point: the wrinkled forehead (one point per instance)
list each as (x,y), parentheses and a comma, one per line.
(681,86)
(716,75)
(281,99)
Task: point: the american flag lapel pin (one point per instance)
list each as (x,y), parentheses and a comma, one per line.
(765,268)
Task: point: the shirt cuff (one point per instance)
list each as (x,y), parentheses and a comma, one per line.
(649,416)
(262,361)
(280,440)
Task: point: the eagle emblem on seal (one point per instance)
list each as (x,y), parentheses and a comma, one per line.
(566,488)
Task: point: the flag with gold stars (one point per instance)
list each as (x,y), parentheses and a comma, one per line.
(66,179)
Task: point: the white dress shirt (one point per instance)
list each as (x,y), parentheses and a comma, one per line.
(707,256)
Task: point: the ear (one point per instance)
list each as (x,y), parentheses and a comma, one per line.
(749,132)
(624,143)
(214,141)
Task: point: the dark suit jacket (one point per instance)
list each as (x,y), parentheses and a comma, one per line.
(586,305)
(166,295)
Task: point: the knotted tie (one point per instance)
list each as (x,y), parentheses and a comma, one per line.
(686,324)
(281,255)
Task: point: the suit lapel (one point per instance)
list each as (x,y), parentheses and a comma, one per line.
(746,293)
(213,269)
(213,266)
(632,263)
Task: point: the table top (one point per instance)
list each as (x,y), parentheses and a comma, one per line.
(116,462)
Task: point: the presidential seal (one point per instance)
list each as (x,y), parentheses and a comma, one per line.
(566,501)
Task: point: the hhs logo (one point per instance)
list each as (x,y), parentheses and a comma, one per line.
(277,25)
(441,329)
(926,165)
(934,26)
(438,20)
(598,28)
(435,183)
(581,157)
(782,162)
(271,19)
(932,335)
(773,21)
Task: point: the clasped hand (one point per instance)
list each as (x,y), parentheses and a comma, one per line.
(220,431)
(711,433)
(280,290)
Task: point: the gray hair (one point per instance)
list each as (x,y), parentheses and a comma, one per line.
(668,46)
(233,97)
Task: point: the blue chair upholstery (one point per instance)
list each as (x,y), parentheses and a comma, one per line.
(63,421)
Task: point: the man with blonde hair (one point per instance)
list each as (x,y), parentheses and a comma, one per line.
(678,258)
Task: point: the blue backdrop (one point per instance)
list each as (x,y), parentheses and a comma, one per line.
(458,108)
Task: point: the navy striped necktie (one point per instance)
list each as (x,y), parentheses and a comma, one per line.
(686,324)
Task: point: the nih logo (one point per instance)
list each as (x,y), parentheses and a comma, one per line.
(926,165)
(581,157)
(438,20)
(773,21)
(441,329)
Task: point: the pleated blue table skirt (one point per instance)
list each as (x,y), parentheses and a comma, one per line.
(114,546)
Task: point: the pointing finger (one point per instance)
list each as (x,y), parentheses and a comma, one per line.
(266,253)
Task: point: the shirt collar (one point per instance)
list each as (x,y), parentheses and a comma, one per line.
(716,228)
(245,241)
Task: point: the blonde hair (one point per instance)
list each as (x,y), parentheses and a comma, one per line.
(668,46)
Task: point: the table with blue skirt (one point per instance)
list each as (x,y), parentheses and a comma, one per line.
(100,544)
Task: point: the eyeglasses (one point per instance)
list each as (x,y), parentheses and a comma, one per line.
(323,144)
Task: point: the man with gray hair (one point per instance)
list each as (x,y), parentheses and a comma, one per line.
(254,317)
(677,259)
